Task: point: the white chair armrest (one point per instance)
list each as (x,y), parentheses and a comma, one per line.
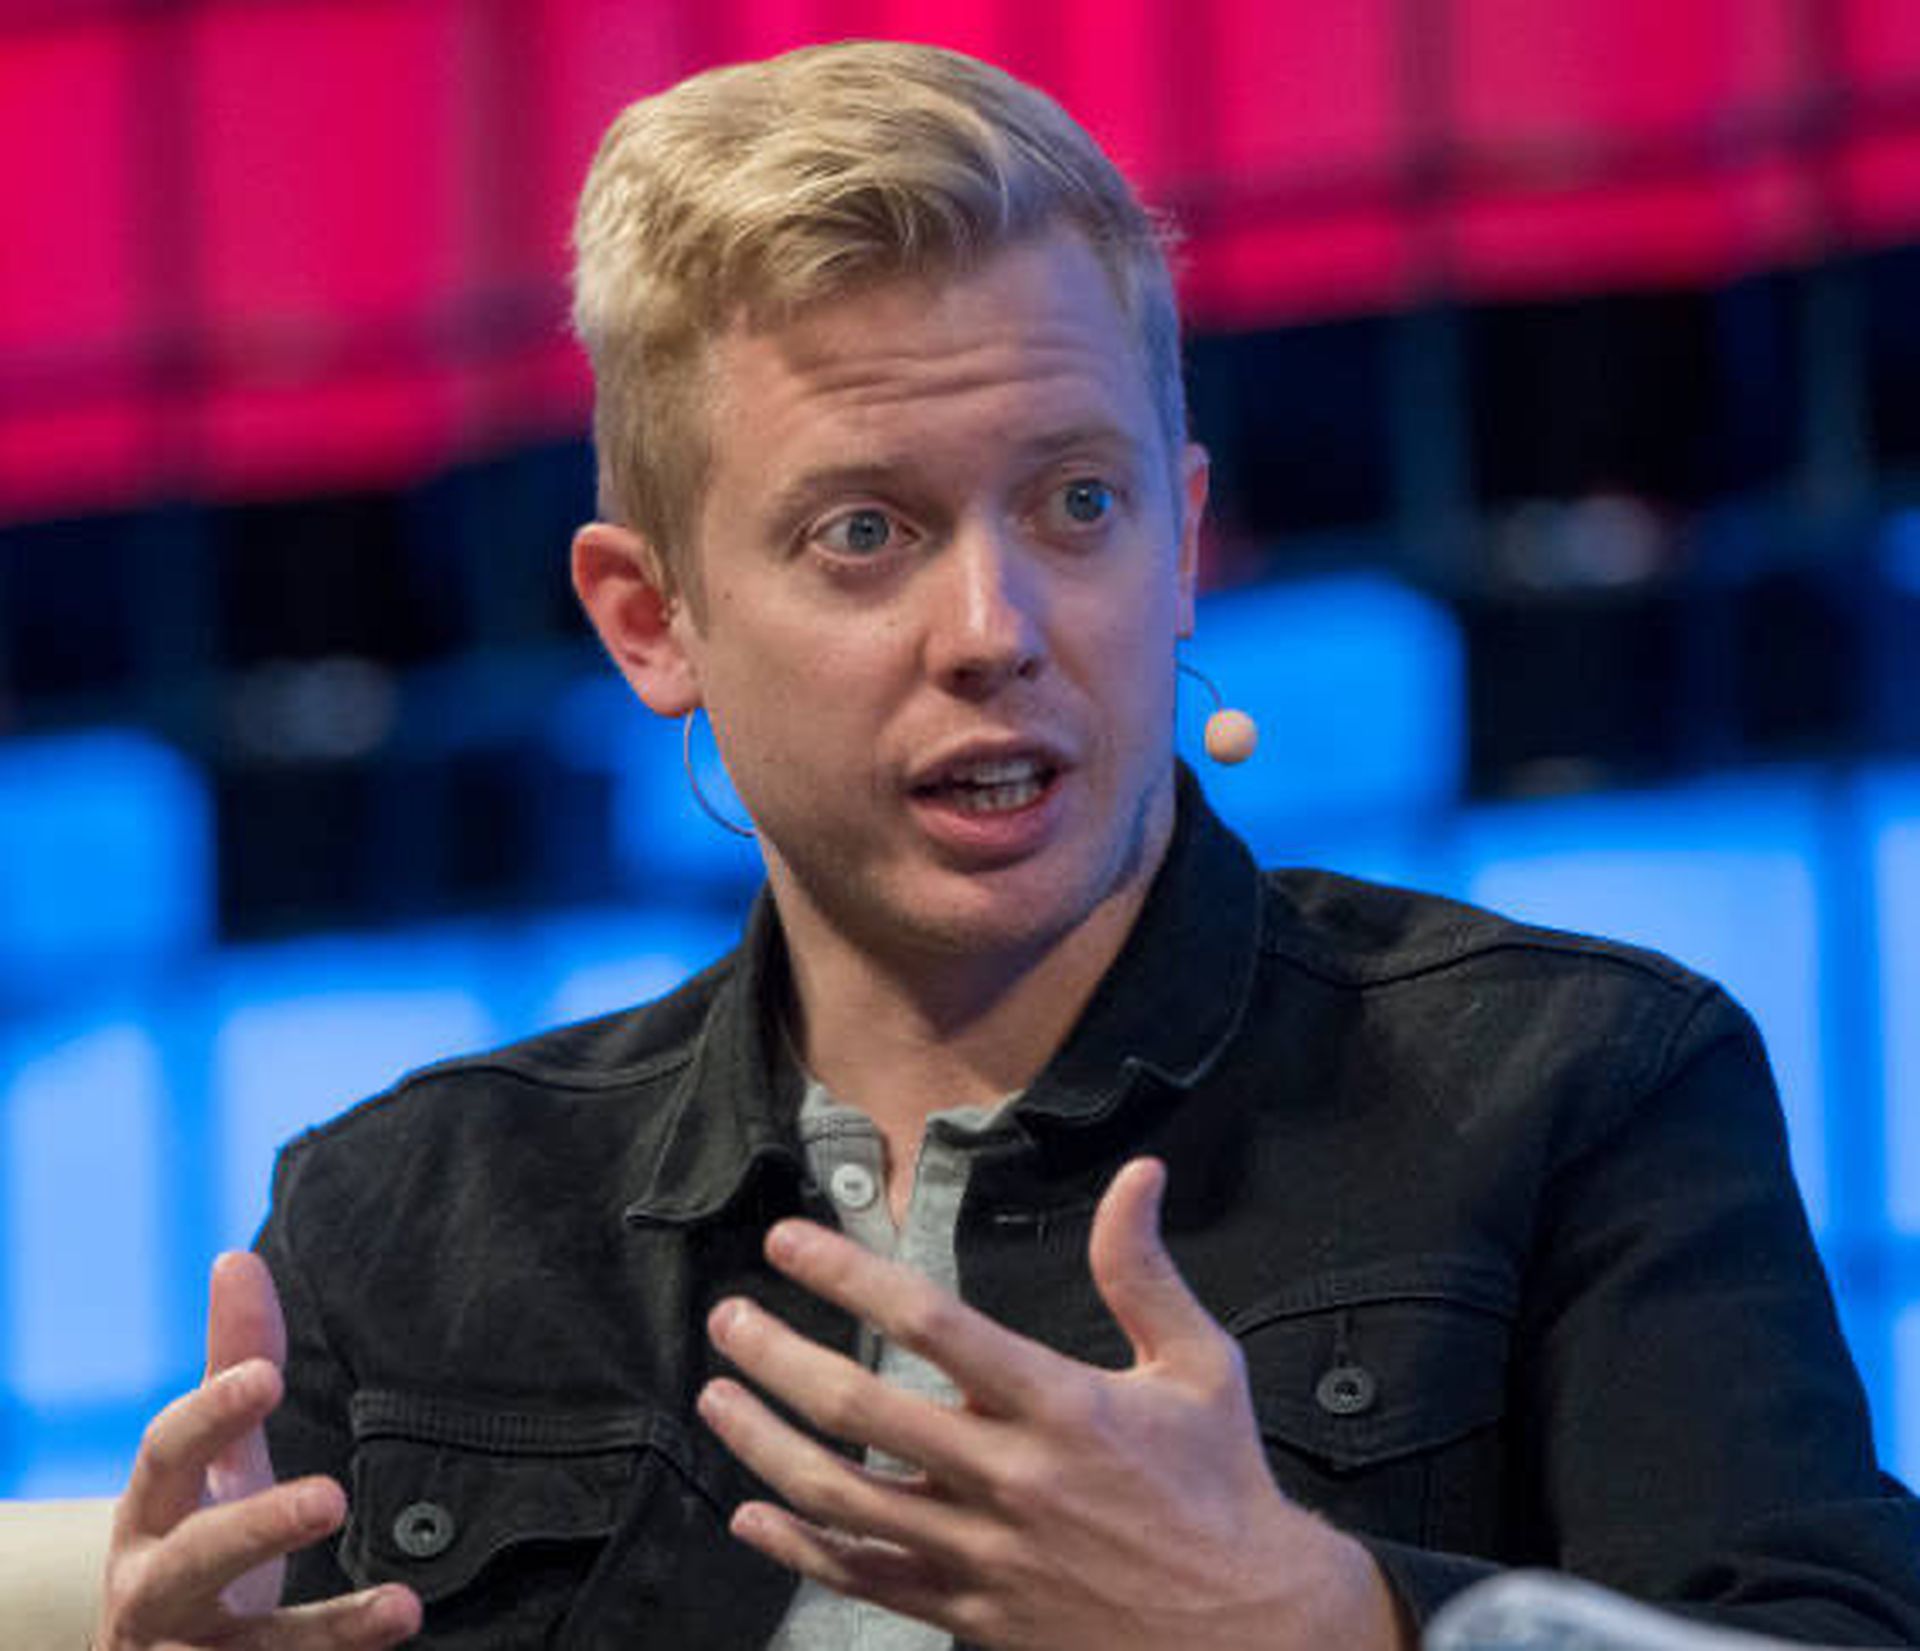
(1548,1611)
(52,1556)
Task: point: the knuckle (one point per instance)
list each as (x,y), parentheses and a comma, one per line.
(1009,1555)
(368,1624)
(336,1623)
(841,1405)
(274,1633)
(1076,1407)
(161,1443)
(116,1604)
(1024,1483)
(818,1488)
(290,1518)
(928,1321)
(347,1628)
(1224,1376)
(978,1619)
(1232,1355)
(127,1606)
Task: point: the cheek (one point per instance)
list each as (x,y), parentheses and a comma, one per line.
(1126,641)
(793,711)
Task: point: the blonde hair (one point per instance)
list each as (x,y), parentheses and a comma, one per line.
(755,190)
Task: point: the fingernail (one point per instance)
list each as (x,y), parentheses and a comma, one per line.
(788,1241)
(388,1607)
(725,1320)
(713,1401)
(314,1503)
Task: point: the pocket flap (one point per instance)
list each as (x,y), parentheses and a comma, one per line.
(1359,1367)
(439,1490)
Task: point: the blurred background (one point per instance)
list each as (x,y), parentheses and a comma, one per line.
(1561,364)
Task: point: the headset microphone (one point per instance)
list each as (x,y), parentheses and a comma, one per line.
(1231,734)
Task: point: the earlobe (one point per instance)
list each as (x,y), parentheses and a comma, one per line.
(1194,470)
(615,575)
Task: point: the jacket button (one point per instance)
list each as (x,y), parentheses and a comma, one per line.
(853,1186)
(423,1530)
(1346,1390)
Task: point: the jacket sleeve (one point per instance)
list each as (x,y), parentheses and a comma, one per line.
(310,1432)
(1694,1429)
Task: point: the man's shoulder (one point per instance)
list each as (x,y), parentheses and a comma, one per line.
(1355,932)
(569,1072)
(1488,1017)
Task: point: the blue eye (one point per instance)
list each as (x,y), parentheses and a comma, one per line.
(1086,501)
(860,532)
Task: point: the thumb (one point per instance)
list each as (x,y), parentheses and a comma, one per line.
(243,1322)
(1136,1277)
(243,1314)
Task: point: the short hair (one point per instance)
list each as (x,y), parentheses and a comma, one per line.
(756,190)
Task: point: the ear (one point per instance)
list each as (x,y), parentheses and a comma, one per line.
(1194,471)
(618,580)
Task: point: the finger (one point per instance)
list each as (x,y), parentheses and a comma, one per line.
(170,1471)
(1136,1277)
(369,1621)
(999,1372)
(187,1573)
(243,1322)
(885,1573)
(844,1399)
(243,1313)
(826,1486)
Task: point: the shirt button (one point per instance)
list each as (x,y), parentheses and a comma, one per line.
(423,1530)
(853,1186)
(1346,1390)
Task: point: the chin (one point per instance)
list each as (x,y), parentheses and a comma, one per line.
(912,903)
(983,932)
(1021,910)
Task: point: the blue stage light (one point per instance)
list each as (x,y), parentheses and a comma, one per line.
(1893,814)
(83,1113)
(106,860)
(1358,686)
(1720,875)
(1905,1430)
(307,1029)
(598,963)
(665,846)
(1899,551)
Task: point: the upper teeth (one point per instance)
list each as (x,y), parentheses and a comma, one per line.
(1002,771)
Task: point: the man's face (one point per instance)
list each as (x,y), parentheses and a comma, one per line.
(942,570)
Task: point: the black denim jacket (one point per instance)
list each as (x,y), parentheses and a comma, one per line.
(1501,1217)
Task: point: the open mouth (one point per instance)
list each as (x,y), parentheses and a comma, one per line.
(997,786)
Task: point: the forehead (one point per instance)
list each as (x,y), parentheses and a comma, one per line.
(1030,343)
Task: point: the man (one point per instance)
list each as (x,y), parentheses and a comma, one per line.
(1479,1243)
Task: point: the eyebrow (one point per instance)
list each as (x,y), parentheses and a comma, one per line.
(806,492)
(1097,433)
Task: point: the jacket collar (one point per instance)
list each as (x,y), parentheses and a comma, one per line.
(1171,1002)
(729,1116)
(1177,992)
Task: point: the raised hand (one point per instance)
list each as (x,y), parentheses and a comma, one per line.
(201,1533)
(1059,1505)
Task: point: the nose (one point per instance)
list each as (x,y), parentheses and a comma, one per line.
(986,626)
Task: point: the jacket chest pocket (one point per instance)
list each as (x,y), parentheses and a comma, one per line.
(1378,1392)
(495,1517)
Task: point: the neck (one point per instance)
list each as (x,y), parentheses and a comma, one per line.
(904,1036)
